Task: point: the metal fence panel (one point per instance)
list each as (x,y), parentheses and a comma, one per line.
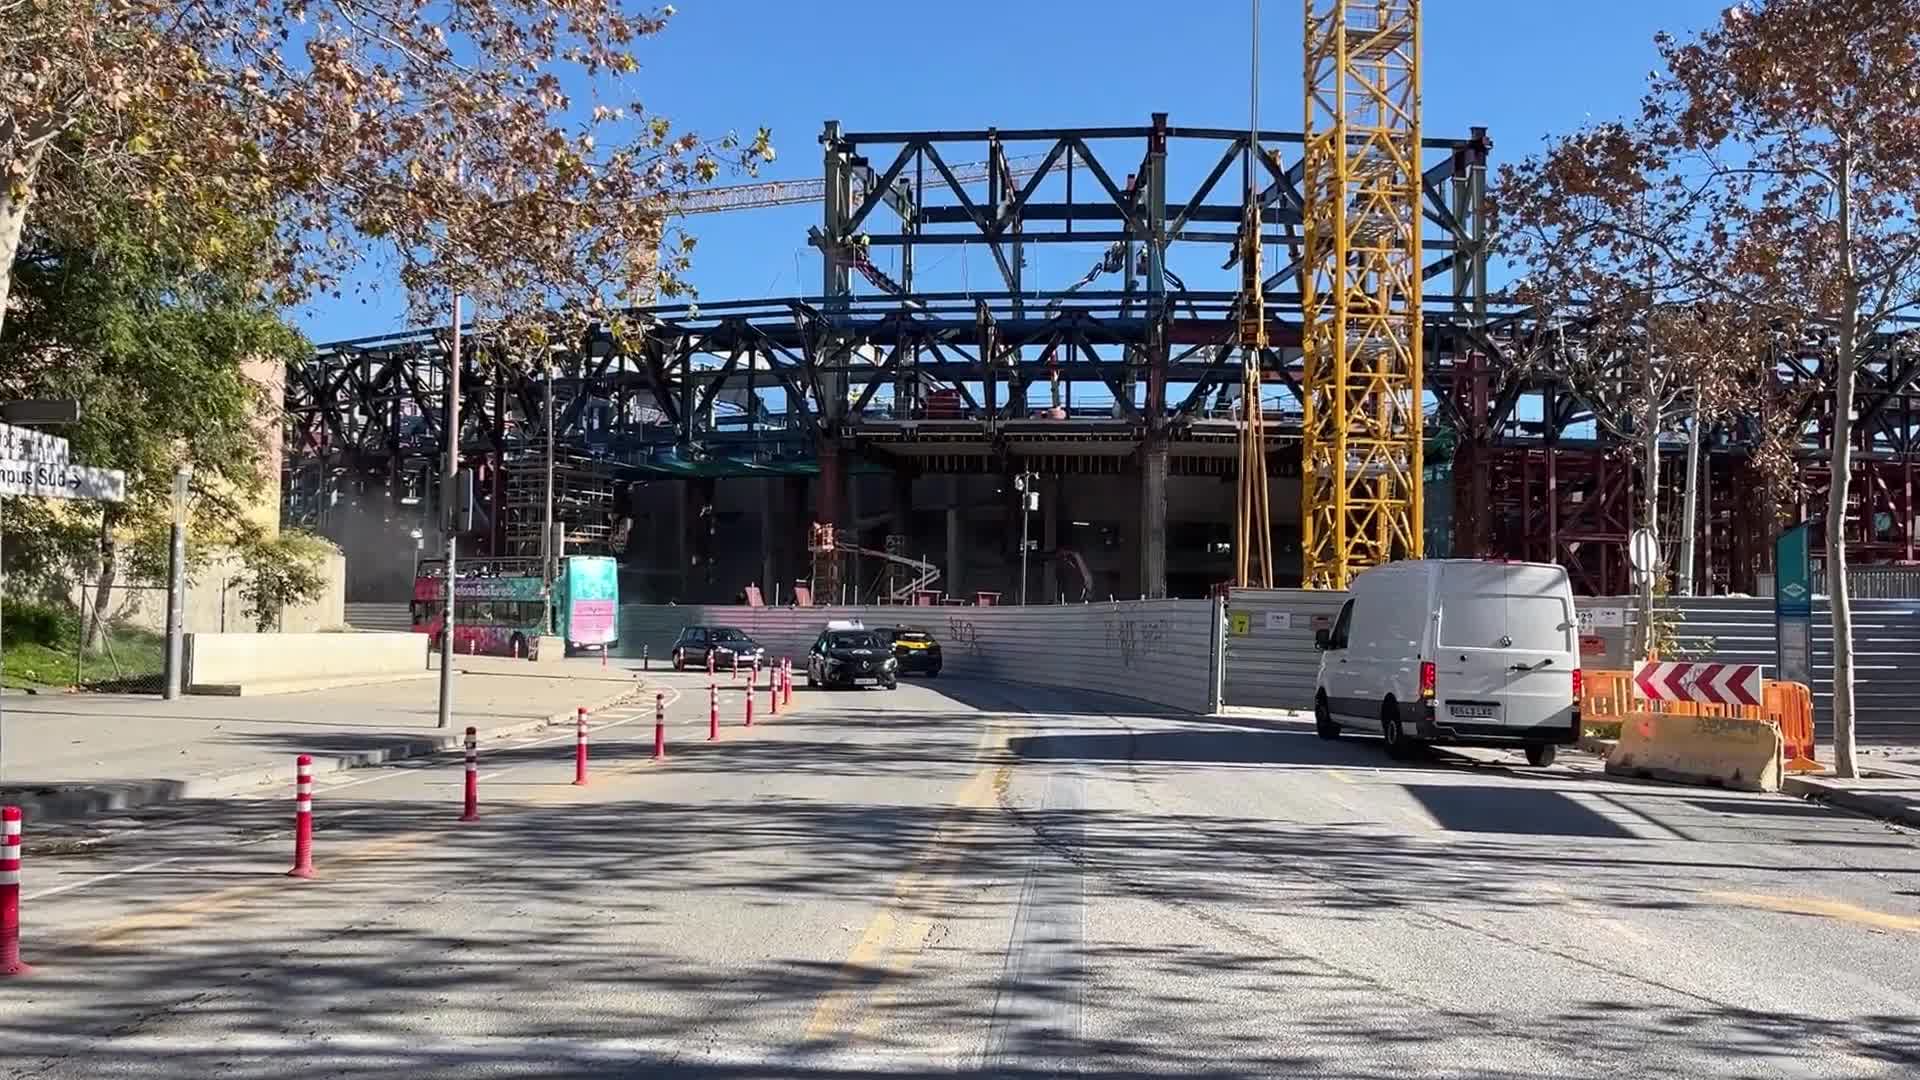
(1740,629)
(1271,661)
(1158,651)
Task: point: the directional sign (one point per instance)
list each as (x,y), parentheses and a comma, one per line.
(1712,684)
(26,444)
(61,480)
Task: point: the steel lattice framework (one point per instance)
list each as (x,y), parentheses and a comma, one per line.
(1362,433)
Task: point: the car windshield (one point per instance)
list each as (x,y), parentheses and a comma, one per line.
(914,635)
(728,635)
(851,639)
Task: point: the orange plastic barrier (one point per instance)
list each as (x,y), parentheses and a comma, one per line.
(1609,697)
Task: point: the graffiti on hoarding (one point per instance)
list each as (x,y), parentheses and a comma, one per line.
(964,634)
(1135,640)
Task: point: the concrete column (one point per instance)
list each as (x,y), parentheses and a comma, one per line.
(1051,489)
(830,489)
(682,533)
(1153,518)
(952,568)
(769,536)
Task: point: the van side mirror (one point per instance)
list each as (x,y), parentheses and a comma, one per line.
(1321,639)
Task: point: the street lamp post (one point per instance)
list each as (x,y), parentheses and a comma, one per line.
(1027,484)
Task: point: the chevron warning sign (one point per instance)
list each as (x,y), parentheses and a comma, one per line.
(1712,684)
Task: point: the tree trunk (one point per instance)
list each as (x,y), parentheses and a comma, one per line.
(13,221)
(1650,511)
(1690,507)
(1841,468)
(103,584)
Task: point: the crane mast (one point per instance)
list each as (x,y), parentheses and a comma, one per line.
(1362,437)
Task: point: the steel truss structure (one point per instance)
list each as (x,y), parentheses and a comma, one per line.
(1136,374)
(929,380)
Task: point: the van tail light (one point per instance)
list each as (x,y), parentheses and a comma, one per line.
(1427,678)
(1576,684)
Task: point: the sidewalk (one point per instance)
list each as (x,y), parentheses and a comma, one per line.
(63,755)
(1890,788)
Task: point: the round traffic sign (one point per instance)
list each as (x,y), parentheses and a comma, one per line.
(1643,551)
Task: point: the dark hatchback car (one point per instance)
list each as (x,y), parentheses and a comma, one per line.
(914,649)
(850,657)
(724,643)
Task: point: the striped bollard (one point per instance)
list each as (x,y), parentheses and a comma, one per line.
(749,697)
(302,817)
(580,748)
(472,812)
(709,665)
(713,710)
(736,667)
(659,726)
(786,681)
(10,962)
(773,690)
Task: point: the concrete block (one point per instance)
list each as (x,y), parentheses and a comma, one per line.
(245,664)
(549,649)
(1718,750)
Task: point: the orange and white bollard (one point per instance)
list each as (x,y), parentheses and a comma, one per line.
(709,665)
(749,696)
(713,710)
(11,820)
(472,810)
(786,681)
(773,691)
(302,817)
(659,726)
(580,748)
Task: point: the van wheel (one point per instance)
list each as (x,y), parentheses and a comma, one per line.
(1323,724)
(1399,746)
(1541,754)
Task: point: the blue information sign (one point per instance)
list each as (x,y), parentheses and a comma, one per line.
(1793,605)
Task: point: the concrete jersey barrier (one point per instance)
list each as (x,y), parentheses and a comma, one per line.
(237,664)
(1159,651)
(1722,750)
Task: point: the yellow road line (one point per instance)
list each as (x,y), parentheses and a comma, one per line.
(875,956)
(1830,909)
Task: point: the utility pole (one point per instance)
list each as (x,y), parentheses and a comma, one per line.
(176,583)
(450,514)
(547,546)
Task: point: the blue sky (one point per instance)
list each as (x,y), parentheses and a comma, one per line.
(1521,68)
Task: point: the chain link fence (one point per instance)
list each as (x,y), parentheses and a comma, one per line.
(83,637)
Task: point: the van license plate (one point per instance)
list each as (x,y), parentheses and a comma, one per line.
(1475,712)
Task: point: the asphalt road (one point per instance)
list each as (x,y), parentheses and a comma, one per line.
(994,880)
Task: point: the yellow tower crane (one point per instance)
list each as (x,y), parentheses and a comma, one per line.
(1361,444)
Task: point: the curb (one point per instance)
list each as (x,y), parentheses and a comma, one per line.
(62,803)
(1887,808)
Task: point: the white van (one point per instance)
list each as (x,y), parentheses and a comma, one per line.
(1463,651)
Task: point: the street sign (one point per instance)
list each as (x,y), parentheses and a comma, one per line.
(61,480)
(1709,683)
(1643,551)
(1793,606)
(1279,620)
(26,444)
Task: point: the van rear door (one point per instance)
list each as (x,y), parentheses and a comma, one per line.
(1504,655)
